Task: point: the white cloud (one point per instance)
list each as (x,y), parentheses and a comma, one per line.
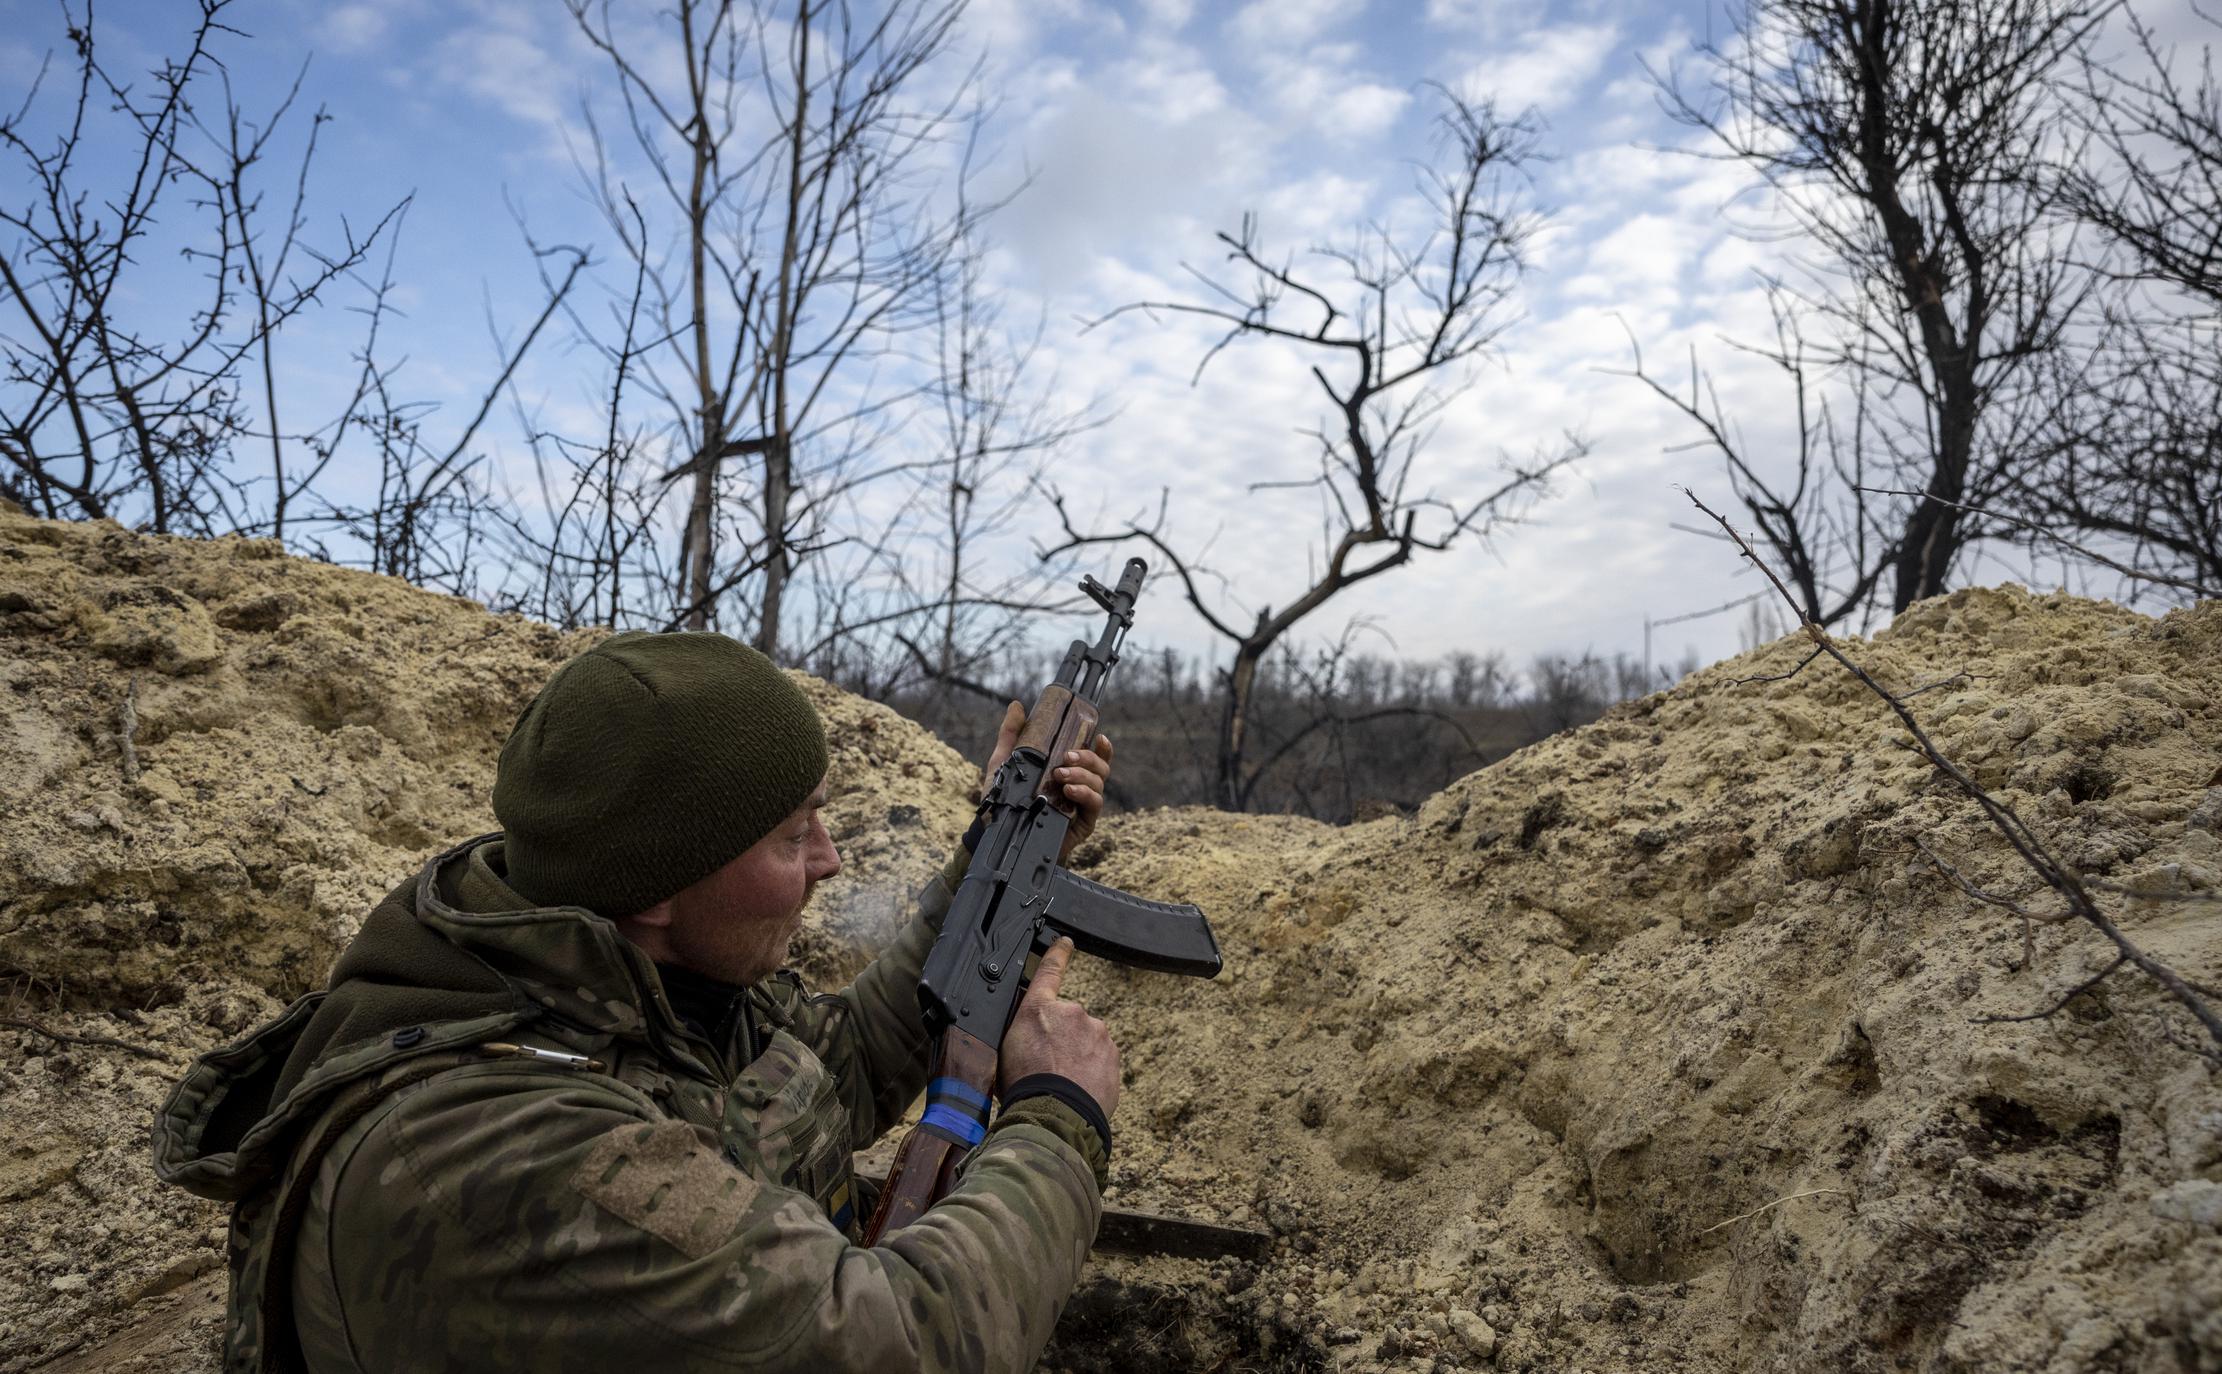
(1649,250)
(1288,23)
(1596,189)
(1013,30)
(1170,81)
(1486,20)
(1548,68)
(511,65)
(1325,90)
(1363,112)
(1111,176)
(1169,14)
(1733,260)
(1323,206)
(353,28)
(1640,243)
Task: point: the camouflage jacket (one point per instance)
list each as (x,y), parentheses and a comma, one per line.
(492,1144)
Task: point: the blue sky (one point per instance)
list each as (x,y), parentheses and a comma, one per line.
(1146,127)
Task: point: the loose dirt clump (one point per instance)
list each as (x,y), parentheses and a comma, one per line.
(1653,1046)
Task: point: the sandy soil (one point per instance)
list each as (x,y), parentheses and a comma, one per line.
(1655,1046)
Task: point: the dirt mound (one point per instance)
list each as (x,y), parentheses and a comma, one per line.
(1654,1045)
(300,738)
(1651,1046)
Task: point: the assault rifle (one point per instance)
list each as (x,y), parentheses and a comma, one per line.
(1016,900)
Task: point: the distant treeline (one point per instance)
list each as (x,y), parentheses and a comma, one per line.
(1337,736)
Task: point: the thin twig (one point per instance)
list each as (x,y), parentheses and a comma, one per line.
(1779,677)
(2072,993)
(106,1041)
(1961,676)
(1747,1216)
(2030,920)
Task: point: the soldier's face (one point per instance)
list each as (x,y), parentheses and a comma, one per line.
(736,924)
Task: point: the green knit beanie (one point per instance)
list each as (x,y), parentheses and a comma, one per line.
(648,763)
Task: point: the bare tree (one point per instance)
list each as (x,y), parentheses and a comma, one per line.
(435,509)
(1364,676)
(2137,456)
(794,238)
(1478,680)
(1758,625)
(1331,746)
(577,565)
(1631,678)
(107,413)
(1416,682)
(1909,141)
(2162,195)
(1566,690)
(179,423)
(1392,338)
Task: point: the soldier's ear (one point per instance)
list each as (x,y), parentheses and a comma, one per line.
(657,917)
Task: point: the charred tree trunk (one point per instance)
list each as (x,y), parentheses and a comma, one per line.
(1234,718)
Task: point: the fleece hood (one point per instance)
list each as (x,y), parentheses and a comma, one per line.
(446,961)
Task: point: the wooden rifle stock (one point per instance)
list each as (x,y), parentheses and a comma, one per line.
(926,1165)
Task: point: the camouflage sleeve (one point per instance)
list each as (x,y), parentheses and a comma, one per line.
(483,1221)
(869,1035)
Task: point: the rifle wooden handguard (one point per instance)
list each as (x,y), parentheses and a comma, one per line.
(1059,724)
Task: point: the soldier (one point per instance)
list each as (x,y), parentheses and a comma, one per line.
(556,1110)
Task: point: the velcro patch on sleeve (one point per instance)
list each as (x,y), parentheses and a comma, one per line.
(659,1176)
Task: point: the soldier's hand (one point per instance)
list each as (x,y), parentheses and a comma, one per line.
(1053,1035)
(1077,780)
(1006,739)
(1082,774)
